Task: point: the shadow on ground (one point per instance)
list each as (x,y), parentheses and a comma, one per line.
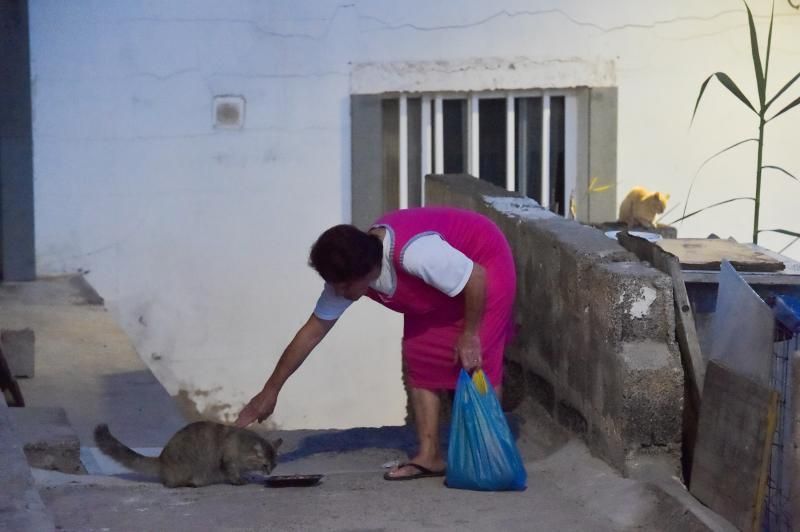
(402,438)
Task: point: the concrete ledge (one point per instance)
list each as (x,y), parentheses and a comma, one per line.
(71,289)
(21,507)
(596,342)
(48,440)
(677,511)
(85,362)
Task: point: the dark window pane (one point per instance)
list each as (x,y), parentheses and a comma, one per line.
(391,154)
(414,152)
(433,135)
(492,140)
(557,154)
(455,137)
(528,117)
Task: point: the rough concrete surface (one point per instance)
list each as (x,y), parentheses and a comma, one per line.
(49,441)
(567,490)
(85,362)
(19,351)
(87,367)
(21,507)
(589,315)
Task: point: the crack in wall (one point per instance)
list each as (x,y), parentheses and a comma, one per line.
(554,11)
(387,26)
(170,75)
(261,28)
(257,26)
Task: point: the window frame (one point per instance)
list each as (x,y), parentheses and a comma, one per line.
(432,135)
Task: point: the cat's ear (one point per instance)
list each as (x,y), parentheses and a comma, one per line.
(666,197)
(277,443)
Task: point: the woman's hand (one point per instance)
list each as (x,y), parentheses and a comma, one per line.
(468,346)
(468,351)
(259,408)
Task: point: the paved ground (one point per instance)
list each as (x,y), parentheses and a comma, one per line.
(567,490)
(344,501)
(86,365)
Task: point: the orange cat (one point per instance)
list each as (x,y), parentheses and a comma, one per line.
(640,207)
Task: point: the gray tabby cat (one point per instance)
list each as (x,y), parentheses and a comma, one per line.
(199,454)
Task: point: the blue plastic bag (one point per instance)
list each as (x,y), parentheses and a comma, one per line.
(482,454)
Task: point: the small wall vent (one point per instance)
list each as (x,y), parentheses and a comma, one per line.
(228,112)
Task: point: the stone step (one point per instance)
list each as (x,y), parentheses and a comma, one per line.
(21,506)
(48,439)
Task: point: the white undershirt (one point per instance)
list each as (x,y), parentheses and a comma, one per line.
(427,256)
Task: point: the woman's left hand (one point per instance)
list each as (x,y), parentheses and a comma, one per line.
(468,351)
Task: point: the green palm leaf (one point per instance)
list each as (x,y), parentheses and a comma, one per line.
(789,84)
(780,169)
(781,231)
(702,90)
(769,45)
(794,103)
(756,59)
(694,178)
(728,83)
(698,211)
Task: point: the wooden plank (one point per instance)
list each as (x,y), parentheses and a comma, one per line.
(640,247)
(691,357)
(789,276)
(684,323)
(734,439)
(708,253)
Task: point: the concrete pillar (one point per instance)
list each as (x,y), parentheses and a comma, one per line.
(17,254)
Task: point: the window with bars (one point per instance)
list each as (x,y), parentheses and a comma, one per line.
(535,142)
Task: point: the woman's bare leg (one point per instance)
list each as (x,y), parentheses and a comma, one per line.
(426,405)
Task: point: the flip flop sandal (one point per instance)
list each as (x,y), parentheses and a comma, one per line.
(423,472)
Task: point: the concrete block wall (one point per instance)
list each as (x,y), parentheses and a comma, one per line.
(595,341)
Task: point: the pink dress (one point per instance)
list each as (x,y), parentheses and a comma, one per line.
(433,321)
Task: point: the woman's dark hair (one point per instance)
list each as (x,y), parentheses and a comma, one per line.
(344,253)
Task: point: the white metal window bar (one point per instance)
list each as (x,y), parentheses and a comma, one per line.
(511,173)
(425,134)
(545,191)
(403,152)
(438,136)
(473,134)
(570,151)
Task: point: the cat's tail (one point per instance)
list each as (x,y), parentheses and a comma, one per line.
(123,454)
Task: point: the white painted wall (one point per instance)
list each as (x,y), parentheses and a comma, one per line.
(198,238)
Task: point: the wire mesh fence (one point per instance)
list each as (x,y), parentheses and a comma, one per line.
(777,509)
